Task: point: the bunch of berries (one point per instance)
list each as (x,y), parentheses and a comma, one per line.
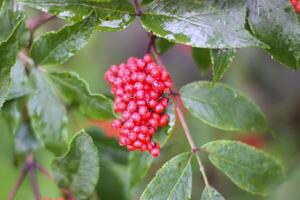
(139,86)
(296,5)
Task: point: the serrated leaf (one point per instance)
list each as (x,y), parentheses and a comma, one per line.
(163,45)
(114,15)
(202,58)
(20,86)
(9,18)
(76,91)
(8,53)
(78,170)
(222,107)
(140,163)
(203,24)
(210,193)
(48,114)
(221,59)
(108,146)
(276,24)
(25,139)
(58,47)
(250,169)
(172,181)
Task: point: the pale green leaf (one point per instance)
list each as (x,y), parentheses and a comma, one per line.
(173,181)
(210,193)
(58,47)
(222,107)
(221,60)
(48,114)
(250,169)
(76,91)
(78,170)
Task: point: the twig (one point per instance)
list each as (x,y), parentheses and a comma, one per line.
(191,142)
(20,180)
(138,8)
(180,115)
(44,171)
(36,22)
(34,185)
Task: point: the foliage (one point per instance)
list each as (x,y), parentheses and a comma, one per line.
(38,103)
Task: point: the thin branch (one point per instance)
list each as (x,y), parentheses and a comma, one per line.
(138,8)
(44,171)
(191,142)
(180,115)
(20,180)
(34,184)
(36,22)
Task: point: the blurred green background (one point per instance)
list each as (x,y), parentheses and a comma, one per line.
(272,86)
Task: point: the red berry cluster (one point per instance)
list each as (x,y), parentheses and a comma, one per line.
(139,87)
(296,4)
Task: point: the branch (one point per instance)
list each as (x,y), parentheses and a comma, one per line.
(180,115)
(20,180)
(34,185)
(35,23)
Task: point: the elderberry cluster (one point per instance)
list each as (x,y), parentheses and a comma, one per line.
(139,87)
(296,5)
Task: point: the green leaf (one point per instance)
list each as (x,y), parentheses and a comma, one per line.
(250,169)
(110,185)
(20,86)
(58,47)
(276,24)
(221,59)
(25,139)
(9,18)
(222,107)
(210,193)
(8,53)
(172,181)
(48,114)
(140,163)
(204,24)
(78,170)
(12,115)
(114,15)
(76,91)
(163,45)
(202,58)
(108,146)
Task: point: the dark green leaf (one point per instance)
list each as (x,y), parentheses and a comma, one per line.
(20,86)
(202,58)
(58,47)
(276,24)
(221,59)
(222,107)
(204,24)
(110,186)
(8,53)
(210,193)
(78,170)
(9,18)
(108,146)
(48,114)
(172,181)
(76,91)
(250,169)
(114,15)
(25,139)
(163,45)
(139,163)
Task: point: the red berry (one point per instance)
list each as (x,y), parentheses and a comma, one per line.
(139,86)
